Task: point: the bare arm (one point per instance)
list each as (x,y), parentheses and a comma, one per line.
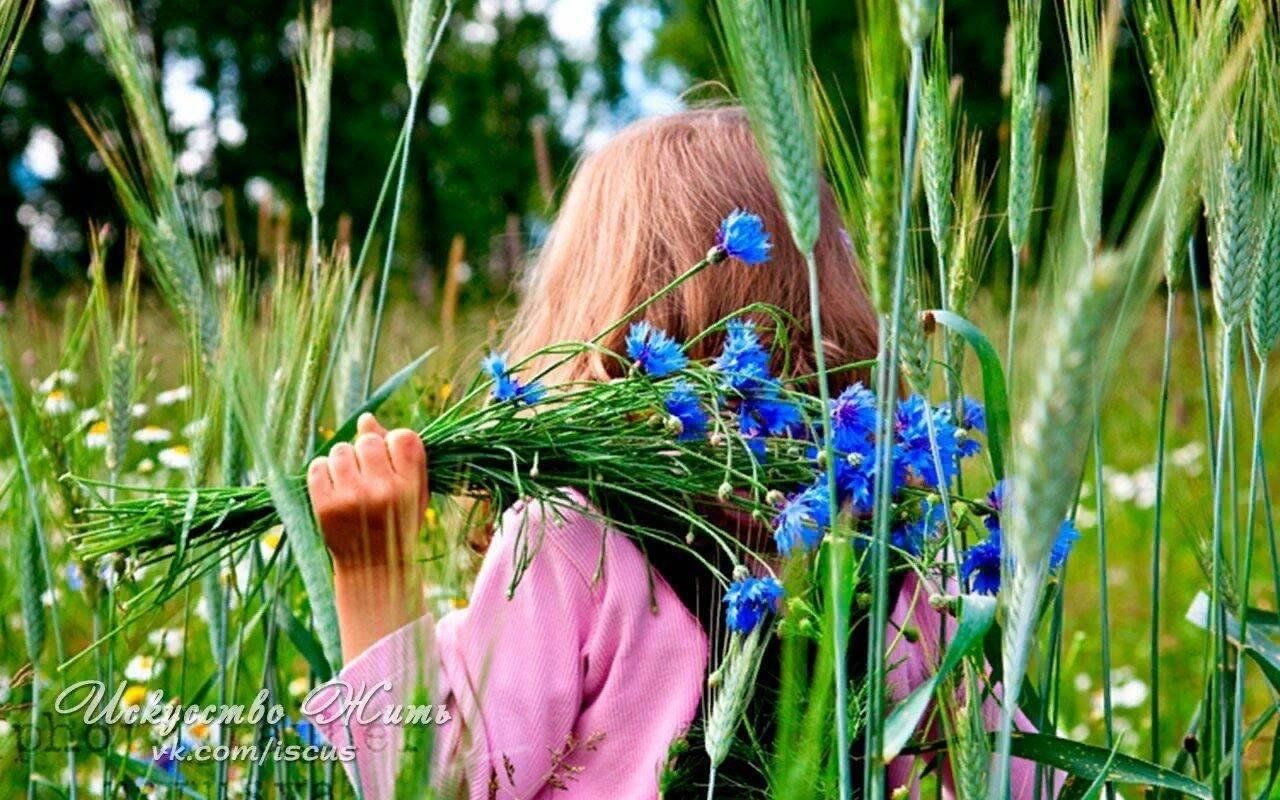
(369,498)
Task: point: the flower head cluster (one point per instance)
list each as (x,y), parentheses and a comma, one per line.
(684,407)
(803,518)
(507,387)
(926,446)
(926,452)
(742,236)
(910,533)
(763,410)
(653,351)
(748,601)
(980,568)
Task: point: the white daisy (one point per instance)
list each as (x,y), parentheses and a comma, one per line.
(176,457)
(96,438)
(270,541)
(142,668)
(89,415)
(199,733)
(57,403)
(138,410)
(179,394)
(62,377)
(152,434)
(170,639)
(146,466)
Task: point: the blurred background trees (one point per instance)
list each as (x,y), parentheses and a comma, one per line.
(518,88)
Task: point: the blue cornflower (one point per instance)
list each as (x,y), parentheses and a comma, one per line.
(914,451)
(973,417)
(980,570)
(748,600)
(853,420)
(856,479)
(1067,536)
(165,760)
(743,360)
(803,518)
(682,403)
(507,387)
(767,413)
(308,733)
(494,365)
(654,351)
(996,499)
(742,236)
(910,534)
(977,558)
(853,435)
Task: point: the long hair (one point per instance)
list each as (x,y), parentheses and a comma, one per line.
(642,210)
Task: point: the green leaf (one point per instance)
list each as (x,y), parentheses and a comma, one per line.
(33,577)
(995,396)
(308,550)
(977,613)
(1077,789)
(347,430)
(1090,763)
(32,583)
(1257,647)
(304,640)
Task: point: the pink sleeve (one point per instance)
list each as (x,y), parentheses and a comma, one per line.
(912,663)
(573,684)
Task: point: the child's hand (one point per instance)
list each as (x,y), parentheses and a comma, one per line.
(369,497)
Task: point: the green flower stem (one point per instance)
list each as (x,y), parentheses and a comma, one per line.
(1216,718)
(886,386)
(837,546)
(661,293)
(385,278)
(1259,470)
(1202,344)
(353,288)
(1104,610)
(1157,529)
(315,255)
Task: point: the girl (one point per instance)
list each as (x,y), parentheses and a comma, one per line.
(580,680)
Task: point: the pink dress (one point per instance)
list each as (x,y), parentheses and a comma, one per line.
(572,687)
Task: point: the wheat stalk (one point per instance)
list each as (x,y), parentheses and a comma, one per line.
(937,156)
(14,15)
(1047,459)
(1264,306)
(764,41)
(1091,45)
(881,84)
(735,679)
(315,67)
(1233,232)
(1024,57)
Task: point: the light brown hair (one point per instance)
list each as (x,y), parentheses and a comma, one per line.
(646,207)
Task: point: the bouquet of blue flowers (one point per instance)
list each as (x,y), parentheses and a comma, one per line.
(651,451)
